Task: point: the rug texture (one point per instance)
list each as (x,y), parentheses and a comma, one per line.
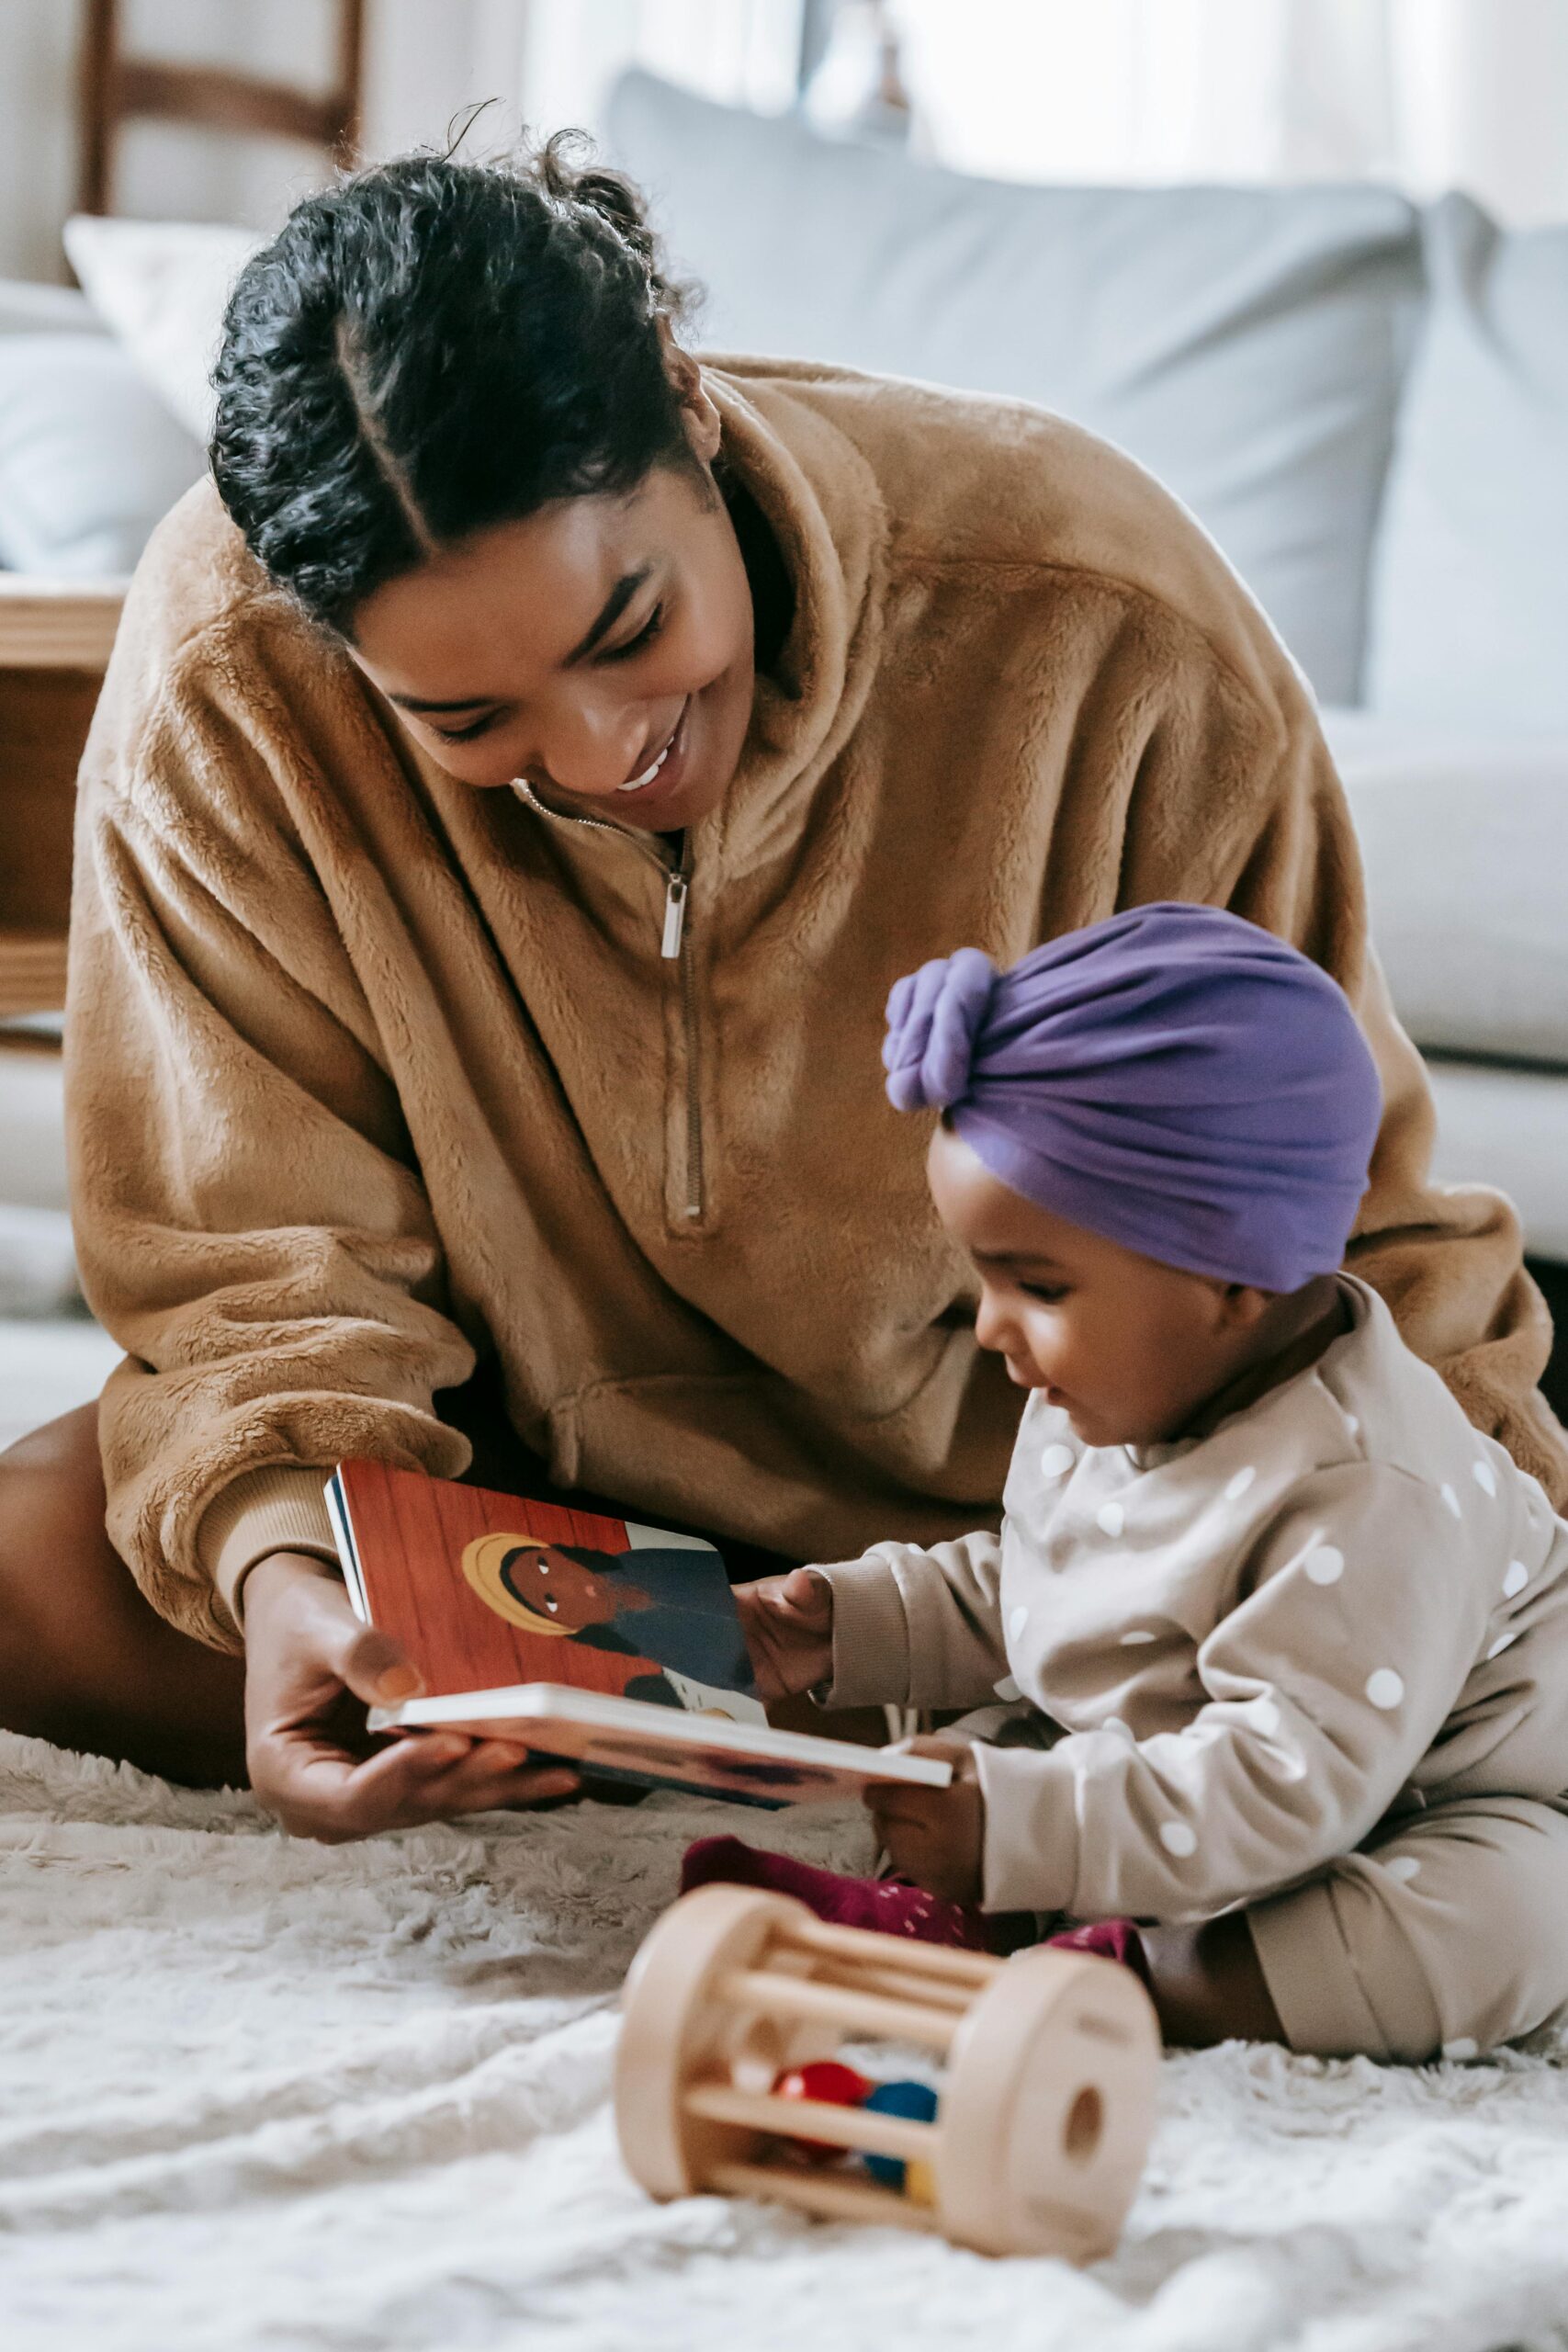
(262,2094)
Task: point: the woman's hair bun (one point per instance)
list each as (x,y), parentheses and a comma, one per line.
(614,199)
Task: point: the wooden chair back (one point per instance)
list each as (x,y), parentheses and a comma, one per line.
(117,88)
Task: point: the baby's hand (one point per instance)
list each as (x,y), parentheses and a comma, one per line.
(788,1624)
(935,1836)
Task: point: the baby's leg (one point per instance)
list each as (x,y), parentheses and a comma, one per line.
(1447,1934)
(1205,1980)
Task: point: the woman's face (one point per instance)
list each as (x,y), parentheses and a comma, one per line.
(600,650)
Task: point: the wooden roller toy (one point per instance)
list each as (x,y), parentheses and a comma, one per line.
(1044,2104)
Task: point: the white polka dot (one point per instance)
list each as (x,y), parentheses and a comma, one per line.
(1016,1623)
(1238,1487)
(1324,1564)
(1352,1424)
(1385,1689)
(1503,1642)
(1006,1688)
(1519,1575)
(1178,1838)
(1450,1499)
(1483,1476)
(1056,1461)
(1110,1518)
(1461,2047)
(1404,1867)
(1131,1641)
(1264,1713)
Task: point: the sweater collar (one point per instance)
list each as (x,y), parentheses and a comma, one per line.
(821,500)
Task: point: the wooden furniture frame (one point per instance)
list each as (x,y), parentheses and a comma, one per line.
(55,639)
(117,89)
(55,636)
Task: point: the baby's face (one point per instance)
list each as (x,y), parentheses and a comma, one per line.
(1129,1348)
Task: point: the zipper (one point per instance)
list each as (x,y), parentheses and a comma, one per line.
(673,948)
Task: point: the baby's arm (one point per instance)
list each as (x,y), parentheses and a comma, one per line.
(1361,1615)
(917,1628)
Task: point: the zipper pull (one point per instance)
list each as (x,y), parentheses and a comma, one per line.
(674,917)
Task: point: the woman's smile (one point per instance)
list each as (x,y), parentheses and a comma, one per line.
(654,793)
(639,783)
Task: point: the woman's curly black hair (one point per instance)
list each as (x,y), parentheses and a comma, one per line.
(434,347)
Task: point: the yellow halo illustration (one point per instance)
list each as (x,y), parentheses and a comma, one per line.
(484,1560)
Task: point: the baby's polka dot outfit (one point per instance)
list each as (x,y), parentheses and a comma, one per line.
(1314,1663)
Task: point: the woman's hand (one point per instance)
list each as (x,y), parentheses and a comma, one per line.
(312,1669)
(935,1836)
(788,1624)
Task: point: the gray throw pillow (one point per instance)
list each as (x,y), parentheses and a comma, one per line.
(1470,592)
(1247,345)
(90,458)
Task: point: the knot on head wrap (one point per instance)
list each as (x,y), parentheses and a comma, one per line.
(1176,1079)
(933,1019)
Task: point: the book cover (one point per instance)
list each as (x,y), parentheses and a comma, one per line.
(485,1590)
(613,1644)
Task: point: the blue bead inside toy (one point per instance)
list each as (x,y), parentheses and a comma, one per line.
(917,2101)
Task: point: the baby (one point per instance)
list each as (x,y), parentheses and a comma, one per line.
(1271,1653)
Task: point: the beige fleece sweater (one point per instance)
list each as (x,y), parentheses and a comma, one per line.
(1234,1656)
(369,1072)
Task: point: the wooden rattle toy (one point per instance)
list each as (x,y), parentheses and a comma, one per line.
(1031,2142)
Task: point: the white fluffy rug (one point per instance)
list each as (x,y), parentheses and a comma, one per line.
(261,2094)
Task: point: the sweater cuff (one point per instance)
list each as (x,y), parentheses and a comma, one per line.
(1030,1855)
(279,1510)
(870,1635)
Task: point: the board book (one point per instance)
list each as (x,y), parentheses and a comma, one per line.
(610,1644)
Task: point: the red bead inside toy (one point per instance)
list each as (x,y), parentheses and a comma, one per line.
(831,2082)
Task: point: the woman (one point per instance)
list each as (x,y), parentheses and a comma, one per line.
(499,832)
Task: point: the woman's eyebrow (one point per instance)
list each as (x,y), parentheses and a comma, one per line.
(464,702)
(614,605)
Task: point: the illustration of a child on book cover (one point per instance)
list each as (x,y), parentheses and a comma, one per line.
(541,1593)
(637,1605)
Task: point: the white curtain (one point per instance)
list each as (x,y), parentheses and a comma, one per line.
(746,52)
(1428,94)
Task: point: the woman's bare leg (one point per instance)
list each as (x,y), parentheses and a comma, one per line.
(84,1661)
(1207,1985)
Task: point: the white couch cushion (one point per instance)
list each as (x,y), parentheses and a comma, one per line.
(163,287)
(29,309)
(1465,838)
(1247,345)
(90,459)
(1508,1128)
(37,1262)
(1469,607)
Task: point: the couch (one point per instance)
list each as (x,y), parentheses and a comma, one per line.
(1364,403)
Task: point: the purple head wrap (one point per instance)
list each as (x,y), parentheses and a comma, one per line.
(1175,1079)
